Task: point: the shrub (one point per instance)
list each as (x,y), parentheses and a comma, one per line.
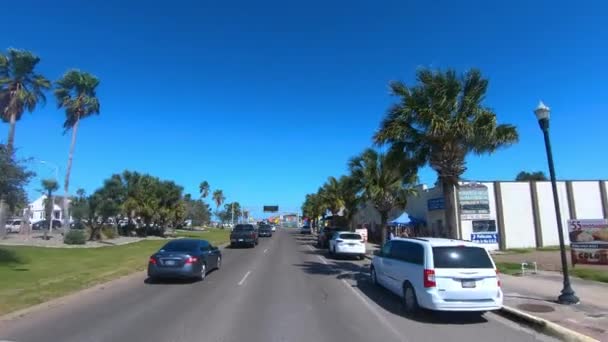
(75,237)
(109,232)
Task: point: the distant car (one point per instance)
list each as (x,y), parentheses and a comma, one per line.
(325,234)
(265,230)
(244,234)
(44,224)
(347,243)
(438,274)
(13,226)
(273,227)
(305,230)
(184,258)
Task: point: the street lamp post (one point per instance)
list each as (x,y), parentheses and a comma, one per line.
(567,296)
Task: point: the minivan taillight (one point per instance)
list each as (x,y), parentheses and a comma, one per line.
(498,278)
(429,278)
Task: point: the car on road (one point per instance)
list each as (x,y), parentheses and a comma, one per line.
(244,234)
(13,226)
(44,224)
(265,230)
(347,244)
(305,230)
(438,274)
(326,233)
(273,227)
(184,258)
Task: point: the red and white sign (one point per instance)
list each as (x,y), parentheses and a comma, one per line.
(589,241)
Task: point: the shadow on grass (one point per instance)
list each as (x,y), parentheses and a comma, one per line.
(10,257)
(358,276)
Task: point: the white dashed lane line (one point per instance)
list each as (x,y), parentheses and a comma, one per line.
(244,278)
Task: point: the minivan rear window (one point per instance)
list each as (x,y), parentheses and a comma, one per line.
(461,257)
(350,236)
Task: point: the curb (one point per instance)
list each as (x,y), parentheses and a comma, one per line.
(545,326)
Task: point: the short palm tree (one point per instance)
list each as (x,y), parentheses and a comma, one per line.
(50,186)
(21,88)
(218,198)
(439,122)
(204,189)
(385,180)
(76,93)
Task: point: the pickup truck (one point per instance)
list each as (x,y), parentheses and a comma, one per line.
(244,234)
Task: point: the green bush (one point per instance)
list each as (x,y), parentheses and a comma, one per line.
(75,237)
(109,232)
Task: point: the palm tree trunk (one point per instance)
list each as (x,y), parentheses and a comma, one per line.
(450,209)
(66,184)
(383,220)
(10,141)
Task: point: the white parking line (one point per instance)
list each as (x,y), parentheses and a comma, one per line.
(266,250)
(323,260)
(244,278)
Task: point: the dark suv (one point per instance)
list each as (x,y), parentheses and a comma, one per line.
(244,234)
(265,230)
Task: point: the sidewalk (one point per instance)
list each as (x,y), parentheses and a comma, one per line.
(536,294)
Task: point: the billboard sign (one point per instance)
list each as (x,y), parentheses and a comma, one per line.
(484,232)
(589,241)
(474,201)
(271,208)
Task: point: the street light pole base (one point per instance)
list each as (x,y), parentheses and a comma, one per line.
(568,297)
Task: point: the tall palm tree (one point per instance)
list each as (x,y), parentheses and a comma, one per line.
(331,195)
(76,93)
(50,186)
(204,189)
(349,193)
(21,88)
(385,180)
(439,122)
(218,198)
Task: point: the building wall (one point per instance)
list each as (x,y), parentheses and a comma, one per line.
(546,213)
(587,200)
(518,219)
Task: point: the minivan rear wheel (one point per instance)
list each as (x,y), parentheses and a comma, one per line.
(410,303)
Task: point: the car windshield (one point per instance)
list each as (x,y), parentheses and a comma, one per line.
(461,257)
(180,246)
(243,227)
(350,236)
(265,227)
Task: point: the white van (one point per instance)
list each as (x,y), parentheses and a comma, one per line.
(438,274)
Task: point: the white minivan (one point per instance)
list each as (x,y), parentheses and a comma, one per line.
(438,274)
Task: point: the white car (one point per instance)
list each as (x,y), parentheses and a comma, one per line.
(273,227)
(347,243)
(13,226)
(438,274)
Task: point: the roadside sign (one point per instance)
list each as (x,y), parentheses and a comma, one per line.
(589,241)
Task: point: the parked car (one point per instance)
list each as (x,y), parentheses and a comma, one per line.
(44,224)
(13,226)
(347,243)
(265,230)
(305,230)
(184,258)
(438,274)
(244,234)
(325,234)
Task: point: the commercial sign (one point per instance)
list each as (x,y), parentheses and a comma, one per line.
(589,241)
(474,201)
(435,204)
(363,233)
(271,208)
(484,232)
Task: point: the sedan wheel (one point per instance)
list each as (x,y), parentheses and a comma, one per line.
(203,272)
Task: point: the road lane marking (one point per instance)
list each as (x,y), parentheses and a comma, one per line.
(266,250)
(322,259)
(244,278)
(376,313)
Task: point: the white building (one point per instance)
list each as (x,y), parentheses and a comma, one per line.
(37,210)
(512,214)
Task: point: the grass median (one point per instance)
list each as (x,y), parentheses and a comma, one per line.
(594,274)
(32,275)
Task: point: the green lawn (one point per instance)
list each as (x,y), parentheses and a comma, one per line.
(213,235)
(584,273)
(32,275)
(509,267)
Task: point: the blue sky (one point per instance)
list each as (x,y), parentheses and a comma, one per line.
(266,99)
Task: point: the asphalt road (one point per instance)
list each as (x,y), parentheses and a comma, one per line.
(283,290)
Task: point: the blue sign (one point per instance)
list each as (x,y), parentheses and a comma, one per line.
(435,204)
(485,238)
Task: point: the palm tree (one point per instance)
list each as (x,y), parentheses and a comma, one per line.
(439,122)
(50,186)
(385,180)
(204,189)
(21,88)
(218,198)
(331,196)
(75,92)
(349,192)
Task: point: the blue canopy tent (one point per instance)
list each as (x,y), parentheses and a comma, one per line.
(403,219)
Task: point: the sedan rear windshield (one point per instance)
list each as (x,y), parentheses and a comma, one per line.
(180,246)
(263,227)
(461,257)
(243,227)
(350,236)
